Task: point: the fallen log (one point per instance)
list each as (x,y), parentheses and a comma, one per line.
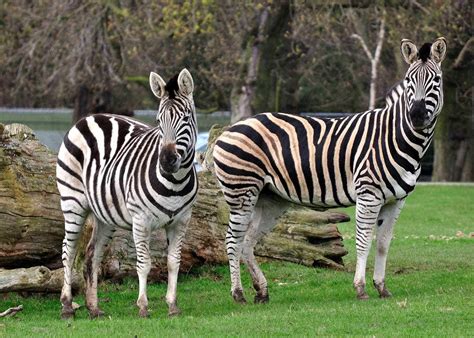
(301,236)
(32,230)
(35,279)
(31,222)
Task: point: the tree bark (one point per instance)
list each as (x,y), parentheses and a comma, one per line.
(31,223)
(454,136)
(82,103)
(36,279)
(244,90)
(89,102)
(374,60)
(268,77)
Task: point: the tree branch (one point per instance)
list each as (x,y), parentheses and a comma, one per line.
(363,44)
(462,54)
(11,311)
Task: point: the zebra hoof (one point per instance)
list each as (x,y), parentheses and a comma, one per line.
(67,313)
(174,311)
(384,293)
(143,313)
(238,296)
(361,294)
(261,299)
(96,313)
(382,290)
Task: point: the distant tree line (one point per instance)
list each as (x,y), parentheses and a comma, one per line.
(245,56)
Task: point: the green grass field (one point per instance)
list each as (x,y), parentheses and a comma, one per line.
(430,273)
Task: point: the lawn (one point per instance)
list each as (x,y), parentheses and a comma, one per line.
(430,273)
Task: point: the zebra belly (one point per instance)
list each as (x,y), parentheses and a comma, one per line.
(316,199)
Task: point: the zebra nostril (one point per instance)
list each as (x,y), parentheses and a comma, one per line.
(174,160)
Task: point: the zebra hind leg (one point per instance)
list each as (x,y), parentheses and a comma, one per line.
(101,236)
(367,210)
(74,218)
(267,211)
(386,220)
(241,210)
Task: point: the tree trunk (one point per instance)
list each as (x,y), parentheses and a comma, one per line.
(32,230)
(454,136)
(88,102)
(268,79)
(82,103)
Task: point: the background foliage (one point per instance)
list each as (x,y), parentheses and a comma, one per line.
(286,55)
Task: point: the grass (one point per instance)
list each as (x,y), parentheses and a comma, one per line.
(430,272)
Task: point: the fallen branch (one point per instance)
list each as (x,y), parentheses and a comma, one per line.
(11,311)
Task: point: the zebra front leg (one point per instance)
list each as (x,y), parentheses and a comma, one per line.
(386,220)
(141,237)
(367,209)
(239,221)
(101,236)
(175,234)
(74,221)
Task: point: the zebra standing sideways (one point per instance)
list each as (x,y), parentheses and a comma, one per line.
(126,174)
(371,159)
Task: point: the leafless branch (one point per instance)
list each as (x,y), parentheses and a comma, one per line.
(11,311)
(458,62)
(417,4)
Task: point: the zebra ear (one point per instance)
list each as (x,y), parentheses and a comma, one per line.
(438,50)
(157,85)
(185,82)
(409,51)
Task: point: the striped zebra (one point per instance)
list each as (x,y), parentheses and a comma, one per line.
(127,174)
(371,159)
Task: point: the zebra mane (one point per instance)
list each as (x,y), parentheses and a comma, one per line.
(424,52)
(392,89)
(172,87)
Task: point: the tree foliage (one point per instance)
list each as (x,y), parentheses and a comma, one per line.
(304,59)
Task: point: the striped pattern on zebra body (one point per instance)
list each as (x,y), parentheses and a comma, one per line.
(127,174)
(371,159)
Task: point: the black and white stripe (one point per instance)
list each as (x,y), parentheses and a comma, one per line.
(127,174)
(371,159)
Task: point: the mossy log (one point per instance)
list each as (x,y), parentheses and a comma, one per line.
(31,223)
(35,279)
(32,229)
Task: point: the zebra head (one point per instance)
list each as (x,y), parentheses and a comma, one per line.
(176,120)
(423,81)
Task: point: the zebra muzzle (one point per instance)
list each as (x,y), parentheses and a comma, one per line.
(419,115)
(170,159)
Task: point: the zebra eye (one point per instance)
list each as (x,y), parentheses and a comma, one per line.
(437,78)
(186,118)
(407,79)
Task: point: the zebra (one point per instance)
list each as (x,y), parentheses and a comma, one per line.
(124,173)
(370,159)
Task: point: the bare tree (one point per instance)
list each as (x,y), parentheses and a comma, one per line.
(374,59)
(74,47)
(244,94)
